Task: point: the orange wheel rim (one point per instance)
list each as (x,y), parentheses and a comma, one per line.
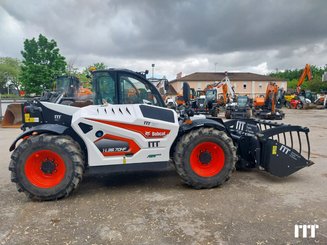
(207,159)
(45,168)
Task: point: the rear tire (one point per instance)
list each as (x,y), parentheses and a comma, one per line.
(228,114)
(215,112)
(205,158)
(47,167)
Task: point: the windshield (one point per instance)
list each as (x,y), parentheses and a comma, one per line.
(242,100)
(62,84)
(201,101)
(211,94)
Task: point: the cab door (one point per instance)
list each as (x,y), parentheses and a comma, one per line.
(136,90)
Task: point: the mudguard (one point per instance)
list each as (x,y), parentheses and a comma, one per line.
(205,122)
(40,129)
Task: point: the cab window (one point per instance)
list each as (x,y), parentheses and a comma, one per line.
(134,91)
(106,91)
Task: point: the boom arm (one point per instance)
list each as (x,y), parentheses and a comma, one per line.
(306,73)
(271,95)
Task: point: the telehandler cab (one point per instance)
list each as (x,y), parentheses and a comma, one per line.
(128,125)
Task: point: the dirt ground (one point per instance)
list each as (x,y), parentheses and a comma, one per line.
(153,207)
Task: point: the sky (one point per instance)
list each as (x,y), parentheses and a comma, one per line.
(175,35)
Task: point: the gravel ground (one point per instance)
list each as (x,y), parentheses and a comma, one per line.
(153,207)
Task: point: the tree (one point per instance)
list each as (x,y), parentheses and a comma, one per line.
(10,69)
(85,74)
(42,63)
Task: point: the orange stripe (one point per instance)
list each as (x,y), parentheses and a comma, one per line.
(147,132)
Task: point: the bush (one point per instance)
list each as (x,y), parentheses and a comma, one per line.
(10,96)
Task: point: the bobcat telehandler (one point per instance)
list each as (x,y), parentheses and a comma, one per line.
(128,125)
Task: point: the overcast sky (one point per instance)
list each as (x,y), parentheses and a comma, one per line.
(178,36)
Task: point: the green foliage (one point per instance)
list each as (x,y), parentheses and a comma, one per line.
(84,76)
(10,96)
(97,66)
(42,63)
(10,69)
(292,77)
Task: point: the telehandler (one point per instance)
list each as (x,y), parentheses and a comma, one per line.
(128,125)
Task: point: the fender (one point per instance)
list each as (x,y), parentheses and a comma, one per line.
(203,123)
(198,123)
(40,129)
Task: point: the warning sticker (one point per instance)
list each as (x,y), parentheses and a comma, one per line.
(29,119)
(274,149)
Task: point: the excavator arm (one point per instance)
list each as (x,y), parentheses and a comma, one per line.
(271,96)
(226,87)
(306,73)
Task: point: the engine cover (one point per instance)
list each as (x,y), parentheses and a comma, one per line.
(126,134)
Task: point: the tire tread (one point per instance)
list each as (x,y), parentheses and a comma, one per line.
(65,142)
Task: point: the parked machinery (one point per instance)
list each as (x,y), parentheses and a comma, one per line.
(236,107)
(241,108)
(301,98)
(213,103)
(68,91)
(199,105)
(267,107)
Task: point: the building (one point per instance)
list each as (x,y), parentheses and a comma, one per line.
(245,83)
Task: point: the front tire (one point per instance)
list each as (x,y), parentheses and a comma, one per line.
(205,158)
(248,113)
(47,167)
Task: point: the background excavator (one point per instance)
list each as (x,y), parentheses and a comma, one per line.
(301,97)
(268,107)
(211,101)
(68,90)
(236,107)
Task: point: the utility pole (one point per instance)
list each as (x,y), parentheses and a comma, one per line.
(216,66)
(153,65)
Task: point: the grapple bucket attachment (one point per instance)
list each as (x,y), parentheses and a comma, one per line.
(13,116)
(280,149)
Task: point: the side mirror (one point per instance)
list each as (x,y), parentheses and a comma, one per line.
(186,92)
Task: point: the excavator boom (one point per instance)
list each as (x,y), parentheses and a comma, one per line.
(306,73)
